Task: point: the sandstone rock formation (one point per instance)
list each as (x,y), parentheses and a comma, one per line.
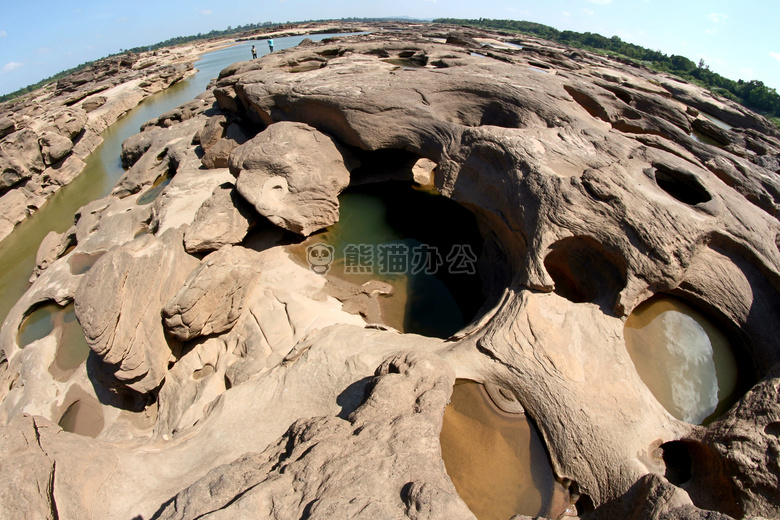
(229,381)
(118,306)
(62,123)
(294,191)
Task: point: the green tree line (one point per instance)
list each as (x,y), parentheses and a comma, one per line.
(751,94)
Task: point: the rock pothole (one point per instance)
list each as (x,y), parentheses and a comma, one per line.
(681,185)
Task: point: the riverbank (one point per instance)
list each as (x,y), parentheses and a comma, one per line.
(46,137)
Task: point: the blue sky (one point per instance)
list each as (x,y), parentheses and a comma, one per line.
(39,38)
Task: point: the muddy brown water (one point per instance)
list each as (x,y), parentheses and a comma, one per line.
(683,358)
(496,459)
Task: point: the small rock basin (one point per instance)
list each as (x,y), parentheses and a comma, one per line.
(38,324)
(84,416)
(157,188)
(423,245)
(496,459)
(685,361)
(72,348)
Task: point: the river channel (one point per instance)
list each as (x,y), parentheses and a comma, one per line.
(104,168)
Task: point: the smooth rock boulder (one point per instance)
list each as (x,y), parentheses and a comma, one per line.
(20,157)
(118,304)
(70,121)
(212,298)
(224,218)
(218,153)
(7,126)
(292,174)
(54,147)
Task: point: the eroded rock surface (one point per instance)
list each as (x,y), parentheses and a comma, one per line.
(235,384)
(119,302)
(63,121)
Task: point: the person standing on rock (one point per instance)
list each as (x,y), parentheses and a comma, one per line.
(271,44)
(254,52)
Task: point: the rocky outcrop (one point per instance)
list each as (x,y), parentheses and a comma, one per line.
(57,123)
(28,467)
(212,298)
(401,415)
(275,173)
(118,305)
(224,218)
(230,380)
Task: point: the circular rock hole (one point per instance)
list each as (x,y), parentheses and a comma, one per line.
(80,263)
(38,323)
(422,247)
(683,186)
(683,358)
(496,459)
(679,465)
(584,271)
(72,347)
(83,416)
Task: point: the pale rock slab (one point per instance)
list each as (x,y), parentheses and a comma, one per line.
(118,304)
(292,174)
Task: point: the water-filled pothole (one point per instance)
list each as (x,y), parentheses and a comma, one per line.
(38,324)
(685,361)
(496,459)
(425,246)
(157,187)
(72,348)
(704,139)
(80,263)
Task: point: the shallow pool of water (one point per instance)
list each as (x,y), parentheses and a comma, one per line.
(39,324)
(724,125)
(685,361)
(72,348)
(496,459)
(424,245)
(151,194)
(704,139)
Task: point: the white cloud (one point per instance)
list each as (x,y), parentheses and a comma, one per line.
(44,50)
(207,12)
(747,72)
(718,17)
(12,65)
(3,34)
(589,12)
(566,13)
(601,2)
(775,55)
